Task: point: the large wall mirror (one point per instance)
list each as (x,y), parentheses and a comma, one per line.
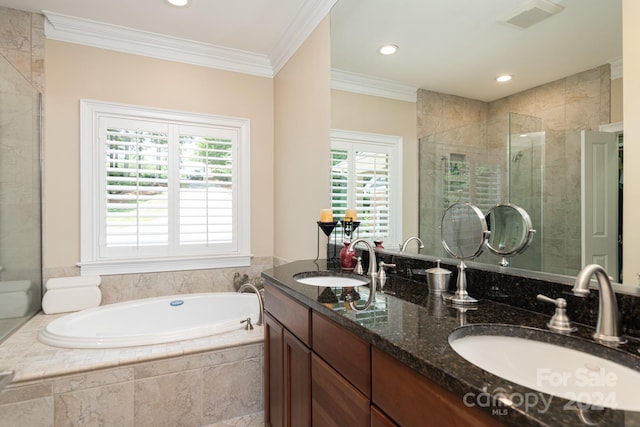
(483,142)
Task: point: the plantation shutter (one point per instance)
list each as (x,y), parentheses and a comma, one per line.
(360,179)
(206,183)
(168,188)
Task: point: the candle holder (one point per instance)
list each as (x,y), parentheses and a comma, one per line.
(348,228)
(327,228)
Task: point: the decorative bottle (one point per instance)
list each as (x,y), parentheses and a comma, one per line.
(347,259)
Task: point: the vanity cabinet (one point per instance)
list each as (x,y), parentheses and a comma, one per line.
(318,373)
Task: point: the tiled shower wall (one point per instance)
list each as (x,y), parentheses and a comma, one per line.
(22,44)
(567,106)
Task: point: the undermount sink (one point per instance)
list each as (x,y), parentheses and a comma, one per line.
(563,366)
(333,279)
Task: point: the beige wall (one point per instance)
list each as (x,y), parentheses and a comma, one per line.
(301,156)
(74,72)
(631,102)
(365,113)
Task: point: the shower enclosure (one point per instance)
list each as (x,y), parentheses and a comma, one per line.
(491,162)
(20,200)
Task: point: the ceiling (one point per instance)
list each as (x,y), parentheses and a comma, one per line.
(450,46)
(459,47)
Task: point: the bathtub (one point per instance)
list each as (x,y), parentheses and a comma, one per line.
(152,320)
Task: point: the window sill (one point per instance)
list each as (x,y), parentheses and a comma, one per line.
(155,265)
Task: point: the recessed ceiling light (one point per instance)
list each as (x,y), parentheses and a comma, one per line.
(504,78)
(388,49)
(178,3)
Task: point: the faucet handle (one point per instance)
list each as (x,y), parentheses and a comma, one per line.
(559,321)
(249,326)
(382,274)
(358,268)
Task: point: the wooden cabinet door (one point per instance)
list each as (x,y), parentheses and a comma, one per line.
(297,382)
(287,377)
(378,419)
(335,402)
(273,372)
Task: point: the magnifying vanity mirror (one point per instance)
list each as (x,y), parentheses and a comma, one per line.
(511,231)
(464,234)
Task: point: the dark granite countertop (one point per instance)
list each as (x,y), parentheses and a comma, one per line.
(414,328)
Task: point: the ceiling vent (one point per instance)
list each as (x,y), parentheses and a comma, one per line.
(532,13)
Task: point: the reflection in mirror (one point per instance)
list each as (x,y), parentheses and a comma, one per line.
(511,231)
(562,105)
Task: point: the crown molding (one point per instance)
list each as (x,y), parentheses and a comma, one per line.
(616,68)
(122,39)
(360,83)
(307,19)
(106,36)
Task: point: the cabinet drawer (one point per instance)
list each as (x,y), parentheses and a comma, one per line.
(290,313)
(412,400)
(334,401)
(344,351)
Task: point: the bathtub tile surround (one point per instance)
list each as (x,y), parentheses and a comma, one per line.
(126,287)
(253,420)
(190,383)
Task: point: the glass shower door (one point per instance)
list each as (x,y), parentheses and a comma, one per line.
(20,200)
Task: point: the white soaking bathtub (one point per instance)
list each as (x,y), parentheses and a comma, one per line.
(152,320)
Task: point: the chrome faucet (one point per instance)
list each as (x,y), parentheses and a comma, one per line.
(372,256)
(373,274)
(403,247)
(608,327)
(249,285)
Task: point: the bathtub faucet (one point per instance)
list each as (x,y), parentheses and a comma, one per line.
(258,292)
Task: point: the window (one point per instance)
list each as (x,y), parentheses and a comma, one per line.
(162,190)
(366,175)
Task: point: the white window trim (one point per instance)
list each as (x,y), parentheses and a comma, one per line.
(90,262)
(395,179)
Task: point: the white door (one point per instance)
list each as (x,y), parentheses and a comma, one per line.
(599,188)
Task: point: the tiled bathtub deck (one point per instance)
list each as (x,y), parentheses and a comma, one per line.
(191,383)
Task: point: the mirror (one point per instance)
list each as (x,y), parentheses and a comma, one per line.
(464,231)
(511,231)
(446,89)
(464,235)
